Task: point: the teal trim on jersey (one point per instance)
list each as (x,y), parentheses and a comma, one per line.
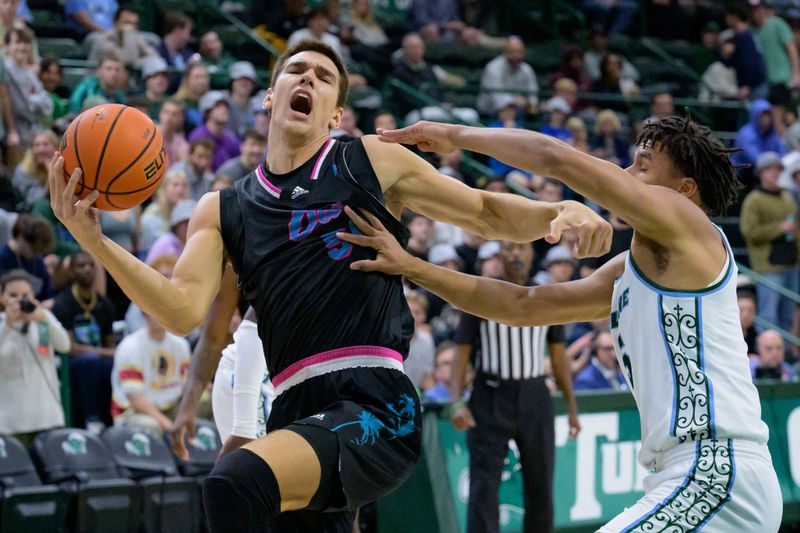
(678,292)
(702,494)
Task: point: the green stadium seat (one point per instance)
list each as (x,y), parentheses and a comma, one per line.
(60,47)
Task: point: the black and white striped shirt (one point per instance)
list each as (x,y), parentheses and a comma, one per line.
(505,351)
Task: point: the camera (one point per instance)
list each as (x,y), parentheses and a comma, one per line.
(27,306)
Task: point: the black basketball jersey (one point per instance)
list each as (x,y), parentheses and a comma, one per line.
(280,234)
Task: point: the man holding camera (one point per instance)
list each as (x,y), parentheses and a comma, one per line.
(29,334)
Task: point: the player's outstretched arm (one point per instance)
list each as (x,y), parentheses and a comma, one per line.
(657,212)
(409,181)
(178,304)
(560,303)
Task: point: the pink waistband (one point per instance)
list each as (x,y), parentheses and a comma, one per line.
(338,359)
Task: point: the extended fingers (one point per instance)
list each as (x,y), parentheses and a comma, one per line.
(359,240)
(69,192)
(373,220)
(87,202)
(360,223)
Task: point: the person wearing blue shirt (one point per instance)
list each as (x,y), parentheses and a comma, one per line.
(31,238)
(87,16)
(758,135)
(603,371)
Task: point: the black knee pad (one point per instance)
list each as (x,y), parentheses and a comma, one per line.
(241,494)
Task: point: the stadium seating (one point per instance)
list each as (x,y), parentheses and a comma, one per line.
(26,504)
(169,503)
(78,461)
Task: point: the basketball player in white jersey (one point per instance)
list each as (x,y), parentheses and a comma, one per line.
(673,308)
(242,393)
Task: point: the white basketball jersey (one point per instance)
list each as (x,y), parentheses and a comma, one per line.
(685,359)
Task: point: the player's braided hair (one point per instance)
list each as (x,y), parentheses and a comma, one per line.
(698,155)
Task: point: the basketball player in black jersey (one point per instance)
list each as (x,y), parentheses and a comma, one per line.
(345,426)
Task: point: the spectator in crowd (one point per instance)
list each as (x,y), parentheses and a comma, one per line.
(445,256)
(134,318)
(611,82)
(506,74)
(123,227)
(759,135)
(468,251)
(150,367)
(30,176)
(615,15)
(742,53)
(253,151)
(705,56)
(174,46)
(771,363)
(781,59)
(317,30)
(490,262)
(64,243)
(603,370)
(29,100)
(572,68)
(88,318)
(156,82)
(550,191)
(107,83)
(370,44)
(450,164)
(607,142)
(243,83)
(51,76)
(197,167)
(155,219)
(747,314)
(598,49)
(440,20)
(580,135)
(85,16)
(9,17)
(768,222)
(348,125)
(420,361)
(212,50)
(496,183)
(124,39)
(216,114)
(661,106)
(170,122)
(193,86)
(413,70)
(421,231)
(283,18)
(559,266)
(446,353)
(30,399)
(384,120)
(172,243)
(510,372)
(558,110)
(31,239)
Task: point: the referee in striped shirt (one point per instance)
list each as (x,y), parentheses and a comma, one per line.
(510,400)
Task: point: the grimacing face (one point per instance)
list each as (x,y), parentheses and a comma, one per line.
(303,98)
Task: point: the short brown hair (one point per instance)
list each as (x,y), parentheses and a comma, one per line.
(17,274)
(205,142)
(23,34)
(36,231)
(320,48)
(174,20)
(254,135)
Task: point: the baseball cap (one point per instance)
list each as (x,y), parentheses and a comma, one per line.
(768,159)
(242,69)
(152,66)
(558,254)
(181,212)
(441,253)
(488,250)
(558,103)
(211,99)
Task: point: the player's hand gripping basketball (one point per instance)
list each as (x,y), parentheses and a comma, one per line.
(428,136)
(391,259)
(76,215)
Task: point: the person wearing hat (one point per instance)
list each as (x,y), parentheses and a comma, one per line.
(172,243)
(243,84)
(559,266)
(769,225)
(558,110)
(215,108)
(443,255)
(155,76)
(124,39)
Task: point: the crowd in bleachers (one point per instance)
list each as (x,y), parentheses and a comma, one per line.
(202,81)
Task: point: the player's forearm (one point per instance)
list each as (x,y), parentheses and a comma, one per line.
(202,366)
(484,297)
(562,371)
(459,372)
(153,293)
(512,217)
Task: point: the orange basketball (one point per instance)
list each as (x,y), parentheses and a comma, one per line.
(121,153)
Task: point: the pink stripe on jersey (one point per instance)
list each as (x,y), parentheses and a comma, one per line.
(273,190)
(332,355)
(321,158)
